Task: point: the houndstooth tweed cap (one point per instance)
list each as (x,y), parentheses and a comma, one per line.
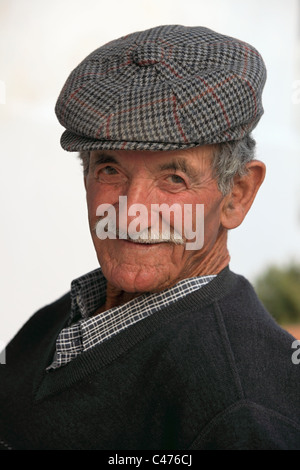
(169,87)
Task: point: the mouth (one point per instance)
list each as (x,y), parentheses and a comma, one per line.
(143,244)
(147,243)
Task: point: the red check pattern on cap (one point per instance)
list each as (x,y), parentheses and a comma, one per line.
(165,88)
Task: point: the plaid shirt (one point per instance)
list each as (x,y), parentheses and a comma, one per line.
(88,293)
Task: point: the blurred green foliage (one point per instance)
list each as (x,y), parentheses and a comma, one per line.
(279,290)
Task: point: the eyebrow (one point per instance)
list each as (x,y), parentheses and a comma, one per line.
(101,158)
(176,164)
(179,164)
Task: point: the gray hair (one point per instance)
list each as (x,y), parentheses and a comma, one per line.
(84,156)
(229,160)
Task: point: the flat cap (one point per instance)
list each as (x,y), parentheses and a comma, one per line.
(169,87)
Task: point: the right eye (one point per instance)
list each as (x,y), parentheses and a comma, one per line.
(109,170)
(108,174)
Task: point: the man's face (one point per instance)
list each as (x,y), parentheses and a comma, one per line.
(182,177)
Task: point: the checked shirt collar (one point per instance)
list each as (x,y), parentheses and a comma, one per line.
(85,331)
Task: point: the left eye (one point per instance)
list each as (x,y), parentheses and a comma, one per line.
(176,179)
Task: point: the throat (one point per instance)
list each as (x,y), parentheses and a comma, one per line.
(115,297)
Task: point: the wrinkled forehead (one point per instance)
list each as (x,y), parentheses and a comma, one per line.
(190,161)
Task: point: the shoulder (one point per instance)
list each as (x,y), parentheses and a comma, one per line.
(248,323)
(44,322)
(231,343)
(49,314)
(248,426)
(260,352)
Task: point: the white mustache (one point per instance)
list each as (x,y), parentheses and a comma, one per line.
(153,235)
(150,235)
(156,228)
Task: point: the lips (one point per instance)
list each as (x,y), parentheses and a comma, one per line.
(143,243)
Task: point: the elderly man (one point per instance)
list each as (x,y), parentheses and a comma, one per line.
(162,347)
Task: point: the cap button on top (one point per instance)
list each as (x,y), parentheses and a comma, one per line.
(147,54)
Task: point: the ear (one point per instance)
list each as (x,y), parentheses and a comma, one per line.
(238,202)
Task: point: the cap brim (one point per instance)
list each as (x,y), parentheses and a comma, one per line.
(72,142)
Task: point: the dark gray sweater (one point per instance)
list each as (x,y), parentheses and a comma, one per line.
(213,371)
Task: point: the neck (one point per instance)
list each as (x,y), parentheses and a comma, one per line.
(213,263)
(217,259)
(116,297)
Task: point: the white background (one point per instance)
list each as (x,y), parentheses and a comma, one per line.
(45,240)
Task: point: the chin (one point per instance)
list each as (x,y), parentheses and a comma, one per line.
(144,280)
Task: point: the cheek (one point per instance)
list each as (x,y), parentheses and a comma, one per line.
(204,209)
(212,221)
(97,194)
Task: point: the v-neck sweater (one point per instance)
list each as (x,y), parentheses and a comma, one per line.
(211,371)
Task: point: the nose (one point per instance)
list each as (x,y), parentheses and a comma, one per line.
(136,192)
(136,201)
(141,190)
